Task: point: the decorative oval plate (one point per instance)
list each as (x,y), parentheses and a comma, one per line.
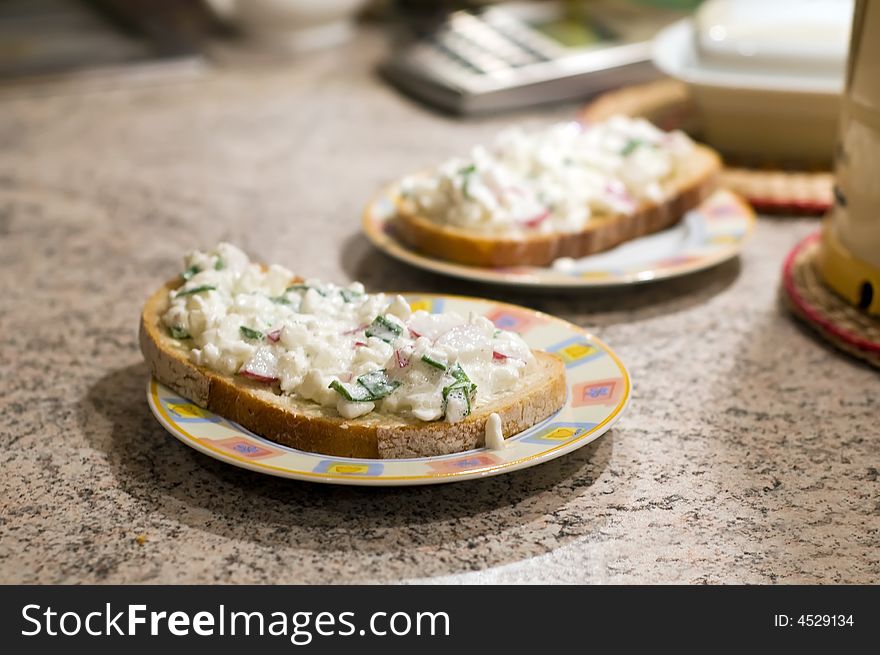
(706,236)
(598,384)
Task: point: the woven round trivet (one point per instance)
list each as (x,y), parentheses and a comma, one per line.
(830,315)
(770,188)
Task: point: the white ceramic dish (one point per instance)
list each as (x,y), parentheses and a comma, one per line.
(789,115)
(805,38)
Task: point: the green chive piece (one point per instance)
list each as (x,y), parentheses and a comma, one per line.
(378,384)
(248,333)
(458,373)
(370,386)
(190,272)
(384,329)
(466,172)
(468,387)
(219,265)
(433,362)
(348,295)
(302,288)
(459,393)
(630,146)
(189,292)
(462,388)
(351,392)
(354,393)
(178,332)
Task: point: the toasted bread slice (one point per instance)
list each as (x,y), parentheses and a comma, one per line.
(308,426)
(691,185)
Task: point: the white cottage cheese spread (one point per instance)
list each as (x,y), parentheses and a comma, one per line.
(551,180)
(338,346)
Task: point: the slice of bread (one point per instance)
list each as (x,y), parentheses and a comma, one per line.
(308,426)
(692,184)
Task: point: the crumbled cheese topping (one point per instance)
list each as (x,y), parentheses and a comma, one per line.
(551,180)
(339,346)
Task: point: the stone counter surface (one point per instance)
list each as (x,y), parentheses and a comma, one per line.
(749,453)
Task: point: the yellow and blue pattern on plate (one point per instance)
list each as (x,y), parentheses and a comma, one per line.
(599,388)
(713,232)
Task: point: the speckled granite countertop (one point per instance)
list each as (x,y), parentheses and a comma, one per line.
(750,452)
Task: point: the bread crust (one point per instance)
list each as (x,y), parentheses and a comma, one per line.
(307,426)
(602,232)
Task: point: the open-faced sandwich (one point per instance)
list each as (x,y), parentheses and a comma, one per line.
(335,370)
(569,190)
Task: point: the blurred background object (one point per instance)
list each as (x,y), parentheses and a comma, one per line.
(48,37)
(771,186)
(765,77)
(831,280)
(291,25)
(849,258)
(516,54)
(464,56)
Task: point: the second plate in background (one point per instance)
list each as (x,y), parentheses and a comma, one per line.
(713,232)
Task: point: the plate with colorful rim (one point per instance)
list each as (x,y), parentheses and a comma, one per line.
(598,392)
(712,233)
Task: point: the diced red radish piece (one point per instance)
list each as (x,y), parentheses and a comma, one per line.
(262,366)
(274,335)
(357,329)
(537,220)
(415,335)
(618,189)
(502,357)
(360,343)
(257,377)
(402,362)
